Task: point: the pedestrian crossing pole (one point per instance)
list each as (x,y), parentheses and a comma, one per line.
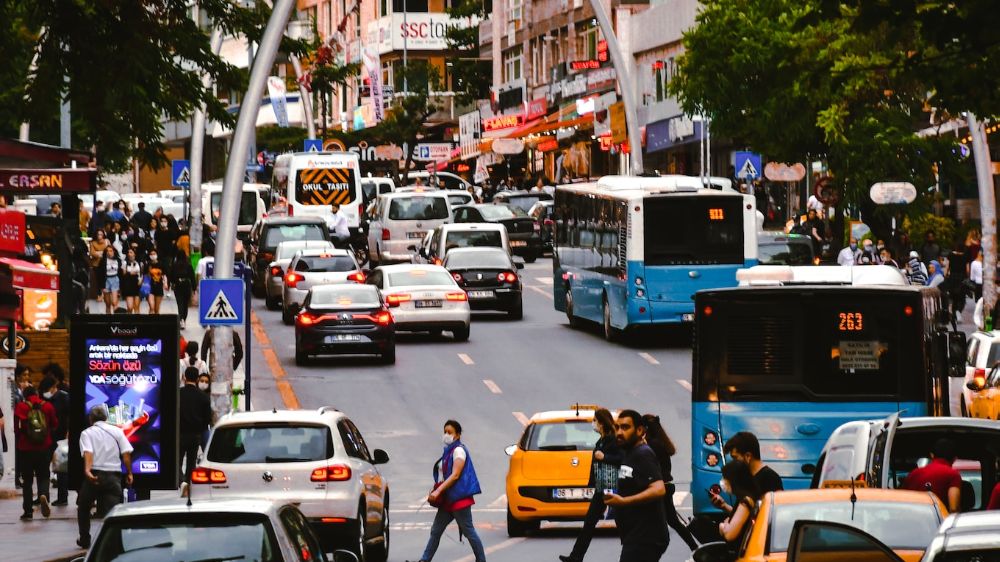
(232,187)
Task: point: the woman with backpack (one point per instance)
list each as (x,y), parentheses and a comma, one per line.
(453,493)
(191,359)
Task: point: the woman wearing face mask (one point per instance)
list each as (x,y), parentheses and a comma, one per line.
(158,282)
(191,359)
(737,481)
(205,385)
(660,442)
(164,239)
(111,268)
(453,495)
(131,276)
(603,475)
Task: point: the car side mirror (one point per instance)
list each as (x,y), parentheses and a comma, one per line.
(713,552)
(411,248)
(344,556)
(509,449)
(381,457)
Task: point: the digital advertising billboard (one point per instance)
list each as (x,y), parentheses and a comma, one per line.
(128,364)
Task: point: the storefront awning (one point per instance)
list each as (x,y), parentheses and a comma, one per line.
(551,125)
(27,275)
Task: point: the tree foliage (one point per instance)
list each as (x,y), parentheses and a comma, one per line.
(404,122)
(125,67)
(471,77)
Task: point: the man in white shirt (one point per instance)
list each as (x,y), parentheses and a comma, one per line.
(104,448)
(848,254)
(336,223)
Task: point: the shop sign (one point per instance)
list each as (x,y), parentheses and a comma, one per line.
(600,79)
(11,231)
(70,180)
(574,87)
(616,115)
(602,123)
(670,132)
(501,122)
(40,308)
(779,171)
(469,133)
(548,146)
(591,64)
(536,108)
(21,344)
(419,32)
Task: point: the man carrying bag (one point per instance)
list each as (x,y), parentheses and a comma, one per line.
(104,448)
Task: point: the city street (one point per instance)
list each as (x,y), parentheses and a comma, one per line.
(507,371)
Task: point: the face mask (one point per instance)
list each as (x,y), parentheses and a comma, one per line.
(881,247)
(203,385)
(47,395)
(152,257)
(724,484)
(868,248)
(854,246)
(448,439)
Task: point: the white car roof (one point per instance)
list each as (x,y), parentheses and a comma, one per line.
(472,226)
(180,506)
(322,251)
(477,250)
(324,415)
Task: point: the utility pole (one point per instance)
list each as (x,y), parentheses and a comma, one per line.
(232,186)
(406,86)
(197,158)
(299,30)
(987,211)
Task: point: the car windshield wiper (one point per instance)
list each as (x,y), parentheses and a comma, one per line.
(285,459)
(158,545)
(219,558)
(557,448)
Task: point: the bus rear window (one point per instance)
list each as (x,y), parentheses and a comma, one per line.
(693,230)
(248,207)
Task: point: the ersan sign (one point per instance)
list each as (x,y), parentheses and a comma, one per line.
(72,180)
(501,122)
(420,31)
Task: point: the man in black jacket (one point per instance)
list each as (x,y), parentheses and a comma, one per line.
(195,418)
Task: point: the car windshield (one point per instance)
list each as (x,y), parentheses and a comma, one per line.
(576,435)
(473,239)
(419,277)
(199,537)
(785,253)
(346,295)
(325,264)
(900,525)
(501,212)
(270,444)
(470,259)
(419,208)
(276,234)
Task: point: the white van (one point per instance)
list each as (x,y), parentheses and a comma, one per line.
(372,187)
(400,220)
(318,179)
(251,205)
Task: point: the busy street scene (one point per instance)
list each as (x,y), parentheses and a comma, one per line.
(506,280)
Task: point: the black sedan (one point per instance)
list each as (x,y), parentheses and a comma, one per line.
(522,231)
(345,320)
(489,277)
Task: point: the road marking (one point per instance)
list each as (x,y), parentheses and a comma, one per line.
(544,280)
(499,502)
(544,293)
(284,387)
(649,358)
(466,359)
(520,417)
(685,384)
(679,498)
(492,386)
(505,544)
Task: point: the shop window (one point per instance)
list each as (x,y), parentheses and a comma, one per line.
(516,11)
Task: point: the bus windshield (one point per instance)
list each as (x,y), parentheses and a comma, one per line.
(693,230)
(810,345)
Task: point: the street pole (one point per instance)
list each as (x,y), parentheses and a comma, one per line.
(406,87)
(197,157)
(251,174)
(232,187)
(987,211)
(305,98)
(623,68)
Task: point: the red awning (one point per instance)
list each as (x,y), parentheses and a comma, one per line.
(27,275)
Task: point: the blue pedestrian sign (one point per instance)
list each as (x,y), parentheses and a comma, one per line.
(220,302)
(313,145)
(180,173)
(748,165)
(240,270)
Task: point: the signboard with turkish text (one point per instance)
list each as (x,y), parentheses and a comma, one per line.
(63,180)
(602,122)
(12,228)
(419,31)
(433,151)
(469,133)
(501,122)
(535,108)
(616,114)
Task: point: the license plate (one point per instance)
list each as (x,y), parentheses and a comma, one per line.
(340,338)
(436,303)
(687,318)
(518,243)
(414,234)
(572,493)
(480,294)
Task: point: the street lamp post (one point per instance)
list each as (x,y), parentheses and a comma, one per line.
(197,157)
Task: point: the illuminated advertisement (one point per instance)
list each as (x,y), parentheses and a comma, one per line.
(131,369)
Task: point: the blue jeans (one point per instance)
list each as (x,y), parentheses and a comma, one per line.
(464,519)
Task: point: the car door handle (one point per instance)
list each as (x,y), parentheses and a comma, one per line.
(807,428)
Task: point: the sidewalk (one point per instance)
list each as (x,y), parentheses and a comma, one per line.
(54,539)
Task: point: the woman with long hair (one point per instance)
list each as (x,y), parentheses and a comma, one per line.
(131,278)
(607,457)
(737,480)
(111,268)
(660,443)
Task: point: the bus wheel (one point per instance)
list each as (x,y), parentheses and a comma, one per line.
(574,322)
(610,333)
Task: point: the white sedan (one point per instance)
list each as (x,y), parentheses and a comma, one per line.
(424,298)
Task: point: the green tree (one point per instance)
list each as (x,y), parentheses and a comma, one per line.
(471,77)
(404,122)
(125,67)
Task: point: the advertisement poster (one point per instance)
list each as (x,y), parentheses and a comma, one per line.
(131,369)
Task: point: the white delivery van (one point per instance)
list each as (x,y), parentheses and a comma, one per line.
(318,179)
(251,205)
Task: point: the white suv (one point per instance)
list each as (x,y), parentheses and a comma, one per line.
(401,219)
(315,458)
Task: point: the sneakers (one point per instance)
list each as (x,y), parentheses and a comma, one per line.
(26,516)
(83,543)
(60,503)
(43,500)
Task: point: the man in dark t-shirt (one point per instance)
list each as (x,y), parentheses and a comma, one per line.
(638,503)
(745,447)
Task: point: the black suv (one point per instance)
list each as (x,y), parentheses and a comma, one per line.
(522,231)
(271,231)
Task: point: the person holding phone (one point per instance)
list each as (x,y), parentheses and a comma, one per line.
(638,502)
(738,481)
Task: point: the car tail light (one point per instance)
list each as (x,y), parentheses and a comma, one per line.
(507,277)
(361,209)
(979,378)
(207,476)
(457,277)
(292,279)
(460,296)
(276,271)
(290,210)
(396,300)
(383,318)
(307,319)
(357,277)
(547,222)
(386,235)
(332,473)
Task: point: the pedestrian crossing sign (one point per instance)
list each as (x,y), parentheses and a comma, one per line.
(180,173)
(747,165)
(220,302)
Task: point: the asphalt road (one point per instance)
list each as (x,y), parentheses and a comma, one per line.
(507,371)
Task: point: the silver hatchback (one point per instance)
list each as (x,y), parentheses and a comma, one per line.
(311,268)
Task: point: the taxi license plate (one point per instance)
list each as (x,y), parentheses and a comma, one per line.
(480,294)
(436,303)
(518,243)
(341,338)
(572,493)
(414,234)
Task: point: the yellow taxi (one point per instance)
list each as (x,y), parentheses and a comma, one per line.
(985,395)
(904,521)
(550,469)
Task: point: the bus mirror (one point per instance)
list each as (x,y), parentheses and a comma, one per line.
(956,354)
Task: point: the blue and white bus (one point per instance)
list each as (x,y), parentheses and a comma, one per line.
(632,251)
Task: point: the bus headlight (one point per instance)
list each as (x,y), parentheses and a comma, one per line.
(640,293)
(711,438)
(712,459)
(638,280)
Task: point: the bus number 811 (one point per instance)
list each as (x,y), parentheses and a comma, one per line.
(851,322)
